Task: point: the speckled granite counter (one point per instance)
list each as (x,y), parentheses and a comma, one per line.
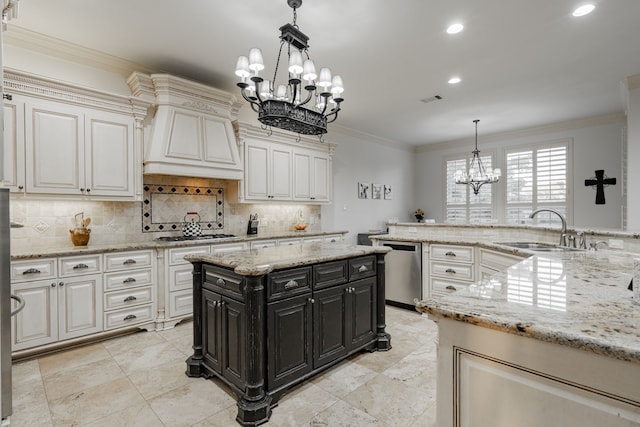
(257,262)
(577,299)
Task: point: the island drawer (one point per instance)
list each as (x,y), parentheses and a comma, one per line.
(288,283)
(457,253)
(221,280)
(330,274)
(362,267)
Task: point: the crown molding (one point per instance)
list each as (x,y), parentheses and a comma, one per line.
(538,130)
(26,39)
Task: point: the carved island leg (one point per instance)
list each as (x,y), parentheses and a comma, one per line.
(194,363)
(383,338)
(254,406)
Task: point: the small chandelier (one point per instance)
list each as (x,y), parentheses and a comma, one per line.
(477,175)
(282,105)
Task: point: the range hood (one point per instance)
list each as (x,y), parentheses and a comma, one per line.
(192,131)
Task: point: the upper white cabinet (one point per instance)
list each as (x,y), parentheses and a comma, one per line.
(70,141)
(277,167)
(192,132)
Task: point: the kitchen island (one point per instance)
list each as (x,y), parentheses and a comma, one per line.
(267,319)
(553,340)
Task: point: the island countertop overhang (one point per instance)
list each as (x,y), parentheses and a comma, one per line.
(258,262)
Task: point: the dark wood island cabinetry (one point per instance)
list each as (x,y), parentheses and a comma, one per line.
(265,320)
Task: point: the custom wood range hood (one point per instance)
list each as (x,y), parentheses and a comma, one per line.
(192,132)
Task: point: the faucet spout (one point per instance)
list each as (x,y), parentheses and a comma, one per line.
(563,230)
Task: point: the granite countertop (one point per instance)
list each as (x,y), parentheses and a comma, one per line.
(256,262)
(157,244)
(574,298)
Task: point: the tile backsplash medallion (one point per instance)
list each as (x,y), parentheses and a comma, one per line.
(47,221)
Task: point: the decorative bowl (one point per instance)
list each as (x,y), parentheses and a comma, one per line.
(300,227)
(80,236)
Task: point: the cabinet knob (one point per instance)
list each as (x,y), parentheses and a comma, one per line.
(363,268)
(311,300)
(450,270)
(53,285)
(82,190)
(220,282)
(130,317)
(88,190)
(291,284)
(61,284)
(450,253)
(130,298)
(20,187)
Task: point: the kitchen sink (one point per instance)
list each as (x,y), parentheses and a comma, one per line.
(537,247)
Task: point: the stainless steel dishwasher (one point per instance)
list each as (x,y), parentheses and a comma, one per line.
(403,273)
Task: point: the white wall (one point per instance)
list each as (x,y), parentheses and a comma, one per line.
(597,144)
(633,139)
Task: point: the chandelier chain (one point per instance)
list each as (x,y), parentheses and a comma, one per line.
(275,73)
(295,17)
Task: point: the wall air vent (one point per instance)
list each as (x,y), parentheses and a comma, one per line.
(431,99)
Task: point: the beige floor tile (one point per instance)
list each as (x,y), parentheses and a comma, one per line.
(30,406)
(156,380)
(25,371)
(148,356)
(178,332)
(417,370)
(131,342)
(74,380)
(344,378)
(301,405)
(427,419)
(223,418)
(191,403)
(390,401)
(95,403)
(134,416)
(341,414)
(72,358)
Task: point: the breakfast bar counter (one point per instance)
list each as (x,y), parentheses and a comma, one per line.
(267,319)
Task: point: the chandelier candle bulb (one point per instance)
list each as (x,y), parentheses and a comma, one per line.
(242,67)
(309,70)
(324,80)
(255,60)
(295,63)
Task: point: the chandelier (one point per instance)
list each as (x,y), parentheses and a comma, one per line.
(477,175)
(282,105)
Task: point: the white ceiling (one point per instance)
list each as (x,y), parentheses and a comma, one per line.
(523,63)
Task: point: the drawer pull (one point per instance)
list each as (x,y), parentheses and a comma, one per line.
(129,261)
(450,270)
(31,271)
(80,266)
(451,288)
(130,298)
(291,284)
(220,282)
(130,317)
(363,268)
(129,280)
(450,253)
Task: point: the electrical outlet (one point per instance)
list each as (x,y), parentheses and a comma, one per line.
(616,244)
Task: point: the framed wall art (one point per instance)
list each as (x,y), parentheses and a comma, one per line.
(364,190)
(376,191)
(388,194)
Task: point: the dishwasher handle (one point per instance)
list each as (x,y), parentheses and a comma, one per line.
(400,247)
(21,304)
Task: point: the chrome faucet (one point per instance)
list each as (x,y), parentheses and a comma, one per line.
(563,230)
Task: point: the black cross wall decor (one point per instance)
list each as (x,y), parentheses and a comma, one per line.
(599,182)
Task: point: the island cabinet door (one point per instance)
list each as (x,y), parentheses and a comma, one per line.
(362,311)
(289,341)
(211,329)
(330,328)
(233,336)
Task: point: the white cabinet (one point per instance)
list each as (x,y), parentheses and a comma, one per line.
(14,174)
(451,267)
(267,171)
(261,244)
(70,150)
(491,262)
(312,176)
(179,281)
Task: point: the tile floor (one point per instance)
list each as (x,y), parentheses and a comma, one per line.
(139,380)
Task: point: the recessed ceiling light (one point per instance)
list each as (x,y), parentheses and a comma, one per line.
(455,28)
(454,80)
(584,10)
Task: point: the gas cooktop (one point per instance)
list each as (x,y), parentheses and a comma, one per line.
(203,237)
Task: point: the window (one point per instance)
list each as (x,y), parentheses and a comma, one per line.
(461,204)
(537,178)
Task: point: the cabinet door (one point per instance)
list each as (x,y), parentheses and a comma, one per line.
(362,311)
(256,171)
(321,176)
(13,164)
(37,323)
(302,175)
(289,332)
(281,177)
(54,139)
(109,166)
(80,306)
(211,329)
(330,325)
(233,338)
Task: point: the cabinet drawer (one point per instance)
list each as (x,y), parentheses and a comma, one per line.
(227,247)
(36,269)
(128,316)
(222,280)
(127,279)
(362,267)
(287,283)
(180,303)
(128,297)
(289,242)
(452,253)
(445,287)
(176,255)
(330,274)
(497,260)
(453,270)
(73,266)
(260,244)
(127,260)
(180,277)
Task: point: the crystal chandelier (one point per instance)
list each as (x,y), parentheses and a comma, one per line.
(282,105)
(477,175)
